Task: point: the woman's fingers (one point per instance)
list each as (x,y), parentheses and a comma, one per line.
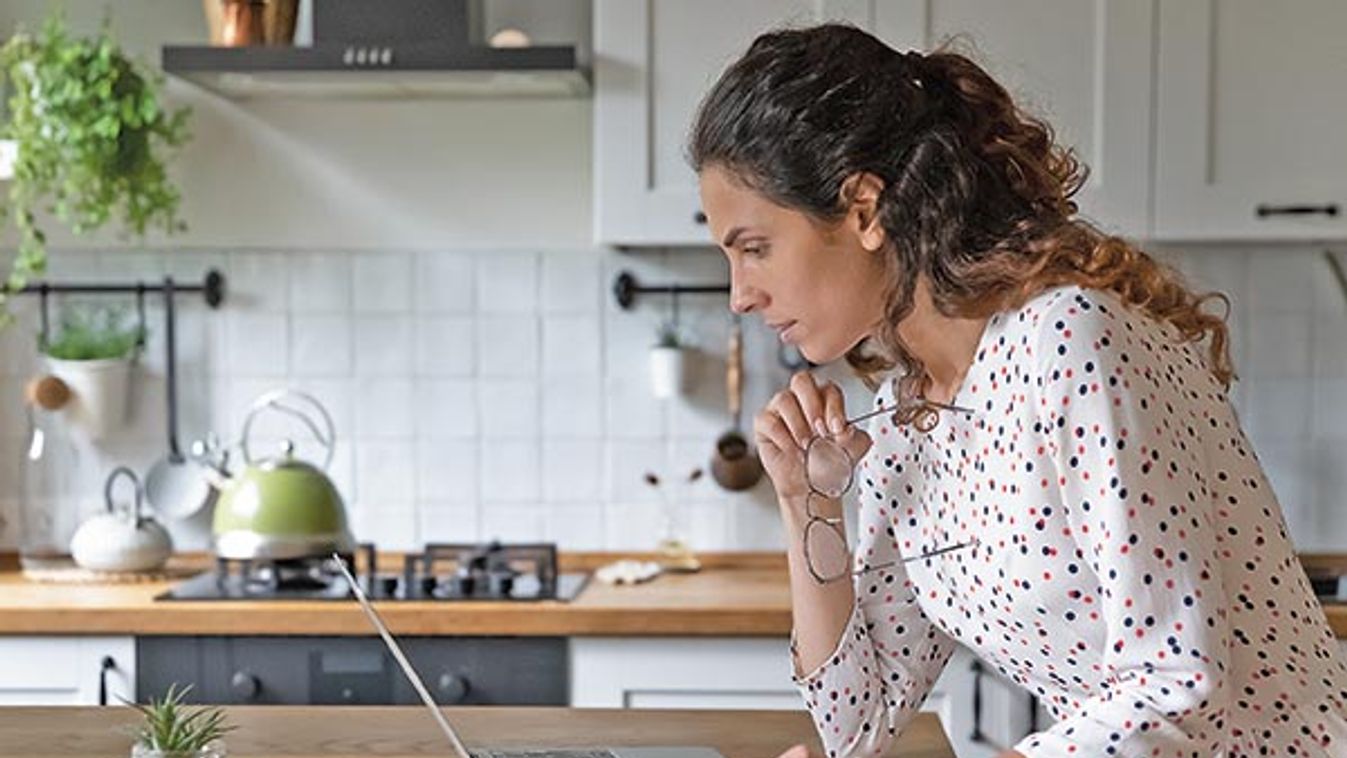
(811,401)
(786,405)
(834,408)
(770,429)
(796,751)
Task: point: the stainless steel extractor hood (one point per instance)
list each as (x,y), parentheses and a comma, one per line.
(388,48)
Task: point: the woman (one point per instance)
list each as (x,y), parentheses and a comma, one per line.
(1063,475)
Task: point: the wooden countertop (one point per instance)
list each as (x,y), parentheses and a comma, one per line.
(736,594)
(294,731)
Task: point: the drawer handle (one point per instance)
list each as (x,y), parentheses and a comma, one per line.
(1264,210)
(103,667)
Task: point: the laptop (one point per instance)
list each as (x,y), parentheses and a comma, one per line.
(456,746)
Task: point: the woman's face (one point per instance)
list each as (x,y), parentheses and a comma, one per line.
(821,287)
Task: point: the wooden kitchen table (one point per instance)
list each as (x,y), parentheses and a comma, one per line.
(293,731)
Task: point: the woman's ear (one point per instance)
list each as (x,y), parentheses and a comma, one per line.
(860,195)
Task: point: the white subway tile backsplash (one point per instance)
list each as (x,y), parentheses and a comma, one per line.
(1279,346)
(258,344)
(1330,414)
(488,392)
(258,281)
(507,346)
(320,345)
(1278,409)
(449,522)
(571,283)
(446,409)
(572,346)
(510,472)
(320,282)
(384,407)
(513,523)
(628,463)
(384,345)
(572,407)
(508,409)
(631,410)
(576,527)
(445,283)
(507,282)
(382,282)
(447,471)
(446,346)
(385,472)
(573,471)
(1282,280)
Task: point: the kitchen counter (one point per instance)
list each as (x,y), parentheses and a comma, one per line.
(409,731)
(736,594)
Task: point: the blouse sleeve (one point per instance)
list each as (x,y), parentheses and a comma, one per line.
(889,655)
(1122,410)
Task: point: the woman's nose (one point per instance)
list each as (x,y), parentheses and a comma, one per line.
(742,299)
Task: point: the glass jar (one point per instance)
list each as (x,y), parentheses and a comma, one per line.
(48,505)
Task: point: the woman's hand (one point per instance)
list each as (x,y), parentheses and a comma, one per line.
(796,751)
(790,419)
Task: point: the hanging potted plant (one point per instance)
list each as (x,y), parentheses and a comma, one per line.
(88,139)
(668,362)
(92,353)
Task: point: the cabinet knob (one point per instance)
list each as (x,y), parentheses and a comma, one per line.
(453,688)
(244,685)
(348,695)
(699,217)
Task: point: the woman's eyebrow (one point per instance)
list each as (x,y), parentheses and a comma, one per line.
(733,235)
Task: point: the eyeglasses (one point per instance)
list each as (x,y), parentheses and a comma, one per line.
(830,473)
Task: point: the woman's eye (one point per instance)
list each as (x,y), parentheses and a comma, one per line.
(755,250)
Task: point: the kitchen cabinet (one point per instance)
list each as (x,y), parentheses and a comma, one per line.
(753,673)
(653,61)
(66,670)
(1088,71)
(1249,107)
(1084,67)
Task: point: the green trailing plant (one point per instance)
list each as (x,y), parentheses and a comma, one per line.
(91,136)
(93,333)
(174,729)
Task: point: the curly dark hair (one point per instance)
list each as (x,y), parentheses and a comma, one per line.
(977,194)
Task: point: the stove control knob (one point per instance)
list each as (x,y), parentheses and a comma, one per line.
(453,687)
(428,586)
(244,685)
(388,585)
(347,695)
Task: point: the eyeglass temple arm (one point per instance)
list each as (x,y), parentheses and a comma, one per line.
(896,406)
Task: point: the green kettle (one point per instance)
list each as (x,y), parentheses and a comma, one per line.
(281,508)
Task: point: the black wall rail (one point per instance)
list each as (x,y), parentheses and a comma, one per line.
(626,289)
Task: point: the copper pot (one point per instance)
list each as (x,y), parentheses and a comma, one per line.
(235,23)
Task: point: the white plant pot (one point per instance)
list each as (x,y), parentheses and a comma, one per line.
(668,371)
(100,392)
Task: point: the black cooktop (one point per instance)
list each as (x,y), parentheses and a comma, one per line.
(440,572)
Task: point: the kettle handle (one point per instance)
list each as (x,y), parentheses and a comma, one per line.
(326,436)
(118,473)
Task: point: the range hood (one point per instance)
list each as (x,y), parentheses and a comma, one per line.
(390,48)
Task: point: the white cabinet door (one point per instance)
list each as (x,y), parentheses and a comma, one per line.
(66,670)
(1083,66)
(1250,112)
(653,62)
(754,673)
(682,672)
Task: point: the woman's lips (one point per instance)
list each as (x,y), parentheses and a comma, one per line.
(784,329)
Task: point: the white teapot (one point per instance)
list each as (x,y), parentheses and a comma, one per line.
(121,539)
